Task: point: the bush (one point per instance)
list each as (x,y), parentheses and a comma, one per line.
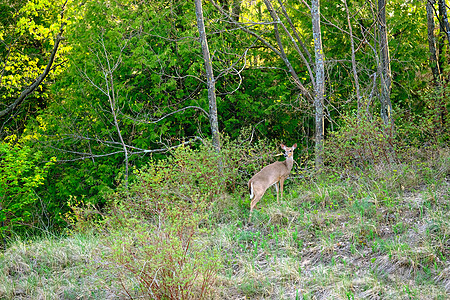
(160,216)
(20,175)
(360,142)
(426,121)
(245,157)
(158,221)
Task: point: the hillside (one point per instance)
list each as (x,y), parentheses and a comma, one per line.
(381,234)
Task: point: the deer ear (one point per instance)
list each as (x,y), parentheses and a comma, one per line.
(295,146)
(283,146)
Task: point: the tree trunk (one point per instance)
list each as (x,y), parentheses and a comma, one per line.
(355,72)
(445,27)
(445,34)
(431,40)
(385,72)
(209,76)
(319,89)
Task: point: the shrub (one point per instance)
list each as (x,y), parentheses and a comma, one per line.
(359,142)
(245,157)
(20,175)
(157,224)
(426,121)
(157,221)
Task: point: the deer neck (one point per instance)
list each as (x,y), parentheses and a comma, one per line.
(289,162)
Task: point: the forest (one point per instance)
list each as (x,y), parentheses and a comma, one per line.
(129,131)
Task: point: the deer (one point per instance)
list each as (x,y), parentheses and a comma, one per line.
(270,175)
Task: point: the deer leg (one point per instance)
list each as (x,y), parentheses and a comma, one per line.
(253,203)
(281,186)
(255,200)
(276,189)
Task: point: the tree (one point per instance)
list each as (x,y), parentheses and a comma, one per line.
(354,68)
(24,68)
(443,20)
(385,65)
(209,76)
(319,88)
(131,90)
(432,41)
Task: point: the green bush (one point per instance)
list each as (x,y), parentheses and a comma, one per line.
(360,142)
(21,173)
(426,122)
(158,219)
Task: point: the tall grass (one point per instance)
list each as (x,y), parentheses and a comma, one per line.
(57,268)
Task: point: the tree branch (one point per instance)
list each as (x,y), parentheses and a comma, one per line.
(280,52)
(90,155)
(31,88)
(283,56)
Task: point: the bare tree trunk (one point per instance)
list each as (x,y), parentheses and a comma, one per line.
(209,76)
(432,41)
(385,72)
(444,32)
(109,90)
(355,73)
(319,88)
(445,27)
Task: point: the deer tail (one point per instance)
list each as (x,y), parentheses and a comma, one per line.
(251,190)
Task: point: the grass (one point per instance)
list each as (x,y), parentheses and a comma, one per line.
(57,268)
(381,234)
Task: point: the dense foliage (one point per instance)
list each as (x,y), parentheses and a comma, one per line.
(21,175)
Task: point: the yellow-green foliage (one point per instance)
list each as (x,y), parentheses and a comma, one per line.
(38,22)
(19,176)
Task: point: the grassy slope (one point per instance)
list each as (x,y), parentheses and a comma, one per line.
(363,239)
(384,234)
